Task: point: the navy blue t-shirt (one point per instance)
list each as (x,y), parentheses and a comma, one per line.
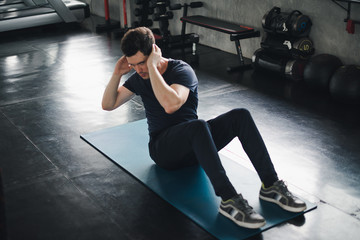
(177,72)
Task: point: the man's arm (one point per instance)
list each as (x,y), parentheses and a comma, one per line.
(114,96)
(172,97)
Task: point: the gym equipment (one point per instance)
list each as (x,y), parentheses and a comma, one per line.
(236,31)
(293,24)
(168,41)
(319,69)
(108,26)
(162,16)
(20,14)
(185,6)
(301,48)
(166,16)
(350,24)
(159,3)
(178,6)
(285,45)
(143,13)
(120,32)
(189,190)
(290,68)
(345,84)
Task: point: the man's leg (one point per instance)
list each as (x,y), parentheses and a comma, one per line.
(191,143)
(239,123)
(188,144)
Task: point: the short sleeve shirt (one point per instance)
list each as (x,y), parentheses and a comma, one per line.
(177,72)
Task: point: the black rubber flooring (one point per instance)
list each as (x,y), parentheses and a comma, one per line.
(56,186)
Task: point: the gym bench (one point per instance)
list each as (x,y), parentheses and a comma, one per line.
(237,32)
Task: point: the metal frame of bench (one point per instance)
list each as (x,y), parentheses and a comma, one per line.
(237,32)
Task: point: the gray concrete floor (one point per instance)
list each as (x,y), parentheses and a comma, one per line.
(57,186)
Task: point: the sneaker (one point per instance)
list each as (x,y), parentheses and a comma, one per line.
(239,211)
(279,194)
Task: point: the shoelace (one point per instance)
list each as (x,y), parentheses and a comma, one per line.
(283,188)
(243,205)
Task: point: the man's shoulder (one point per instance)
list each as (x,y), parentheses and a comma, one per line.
(174,63)
(181,73)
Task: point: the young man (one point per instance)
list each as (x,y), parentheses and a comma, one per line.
(168,89)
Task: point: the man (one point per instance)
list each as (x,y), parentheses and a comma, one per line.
(168,89)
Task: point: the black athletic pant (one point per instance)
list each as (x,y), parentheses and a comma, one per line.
(198,142)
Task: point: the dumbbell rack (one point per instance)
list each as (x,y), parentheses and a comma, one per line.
(161,11)
(162,16)
(166,40)
(142,13)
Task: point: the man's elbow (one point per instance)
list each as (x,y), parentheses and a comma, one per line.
(106,107)
(171,109)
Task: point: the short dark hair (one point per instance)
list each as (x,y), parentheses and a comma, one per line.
(137,39)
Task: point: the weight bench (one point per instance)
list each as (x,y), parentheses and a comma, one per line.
(237,32)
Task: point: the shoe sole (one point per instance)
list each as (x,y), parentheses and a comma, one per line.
(242,224)
(287,208)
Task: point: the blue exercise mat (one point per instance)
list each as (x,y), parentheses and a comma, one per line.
(189,189)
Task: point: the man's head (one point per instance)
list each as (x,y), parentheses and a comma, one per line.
(137,45)
(138,39)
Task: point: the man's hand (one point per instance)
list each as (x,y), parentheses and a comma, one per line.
(114,96)
(154,57)
(122,66)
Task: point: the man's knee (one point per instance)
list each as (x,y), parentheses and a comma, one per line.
(241,117)
(199,127)
(240,113)
(200,124)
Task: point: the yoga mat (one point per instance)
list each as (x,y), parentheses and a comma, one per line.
(189,189)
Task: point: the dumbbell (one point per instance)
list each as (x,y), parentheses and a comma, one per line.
(140,2)
(166,16)
(165,3)
(178,6)
(144,23)
(142,11)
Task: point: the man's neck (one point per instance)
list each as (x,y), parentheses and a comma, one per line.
(163,65)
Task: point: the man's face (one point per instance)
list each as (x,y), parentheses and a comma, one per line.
(138,62)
